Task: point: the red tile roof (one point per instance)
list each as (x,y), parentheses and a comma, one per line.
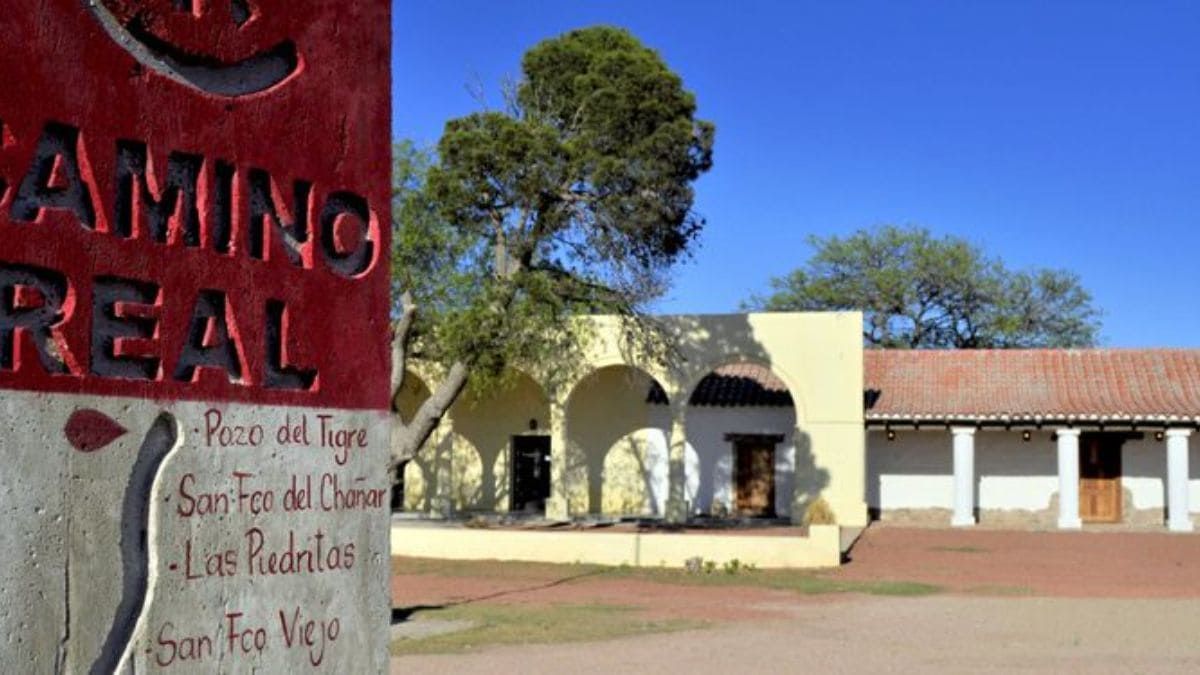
(738,384)
(1032,384)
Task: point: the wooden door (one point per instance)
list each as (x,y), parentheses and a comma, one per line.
(531,473)
(1100,478)
(755,462)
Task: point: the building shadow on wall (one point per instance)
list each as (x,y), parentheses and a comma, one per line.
(809,479)
(693,347)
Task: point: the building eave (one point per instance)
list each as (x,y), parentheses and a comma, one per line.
(881,420)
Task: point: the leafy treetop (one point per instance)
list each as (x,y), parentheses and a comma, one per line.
(577,198)
(917,290)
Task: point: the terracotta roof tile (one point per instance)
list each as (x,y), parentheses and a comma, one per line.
(739,384)
(1116,384)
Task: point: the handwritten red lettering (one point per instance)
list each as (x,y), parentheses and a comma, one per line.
(340,440)
(217,433)
(314,634)
(243,641)
(313,556)
(334,498)
(170,649)
(191,504)
(253,502)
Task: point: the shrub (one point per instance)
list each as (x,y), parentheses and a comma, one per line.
(818,512)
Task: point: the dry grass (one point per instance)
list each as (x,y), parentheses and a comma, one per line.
(504,624)
(801,581)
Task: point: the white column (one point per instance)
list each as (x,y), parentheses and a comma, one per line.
(442,504)
(1178,518)
(558,505)
(677,506)
(964,476)
(1068,479)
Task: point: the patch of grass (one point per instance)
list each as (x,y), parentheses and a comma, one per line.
(799,581)
(959,549)
(492,569)
(807,582)
(501,624)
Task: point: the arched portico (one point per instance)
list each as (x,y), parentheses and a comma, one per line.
(608,442)
(741,452)
(609,458)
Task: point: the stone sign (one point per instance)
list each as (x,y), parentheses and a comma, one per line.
(194,209)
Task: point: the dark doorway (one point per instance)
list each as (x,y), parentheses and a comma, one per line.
(754,467)
(398,487)
(530,473)
(1100,492)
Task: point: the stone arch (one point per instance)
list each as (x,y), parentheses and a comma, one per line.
(484,425)
(739,399)
(666,378)
(616,443)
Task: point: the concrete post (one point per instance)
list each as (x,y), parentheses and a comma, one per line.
(1178,516)
(964,476)
(677,508)
(558,505)
(1068,479)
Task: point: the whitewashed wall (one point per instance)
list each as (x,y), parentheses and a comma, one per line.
(1144,464)
(916,470)
(1144,472)
(709,461)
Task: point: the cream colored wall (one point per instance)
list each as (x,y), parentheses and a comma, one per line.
(615,465)
(482,437)
(419,473)
(820,548)
(612,465)
(818,355)
(472,447)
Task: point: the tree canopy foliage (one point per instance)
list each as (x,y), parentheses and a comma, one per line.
(577,198)
(917,290)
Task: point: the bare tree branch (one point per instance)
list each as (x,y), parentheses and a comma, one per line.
(401,331)
(407,439)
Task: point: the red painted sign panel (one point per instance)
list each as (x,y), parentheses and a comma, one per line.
(195,199)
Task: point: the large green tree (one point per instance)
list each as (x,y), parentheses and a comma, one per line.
(575,199)
(917,290)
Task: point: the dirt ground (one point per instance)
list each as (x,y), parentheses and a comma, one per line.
(1073,564)
(1027,601)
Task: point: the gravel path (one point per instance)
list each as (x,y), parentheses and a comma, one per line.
(947,634)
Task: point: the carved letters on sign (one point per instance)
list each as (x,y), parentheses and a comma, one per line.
(198,204)
(215,192)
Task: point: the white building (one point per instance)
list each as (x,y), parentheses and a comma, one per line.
(1044,438)
(1052,437)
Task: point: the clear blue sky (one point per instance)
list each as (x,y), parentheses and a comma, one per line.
(1062,134)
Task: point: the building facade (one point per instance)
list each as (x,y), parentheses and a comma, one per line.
(760,415)
(620,435)
(1045,437)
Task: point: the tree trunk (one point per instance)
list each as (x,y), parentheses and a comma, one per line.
(408,438)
